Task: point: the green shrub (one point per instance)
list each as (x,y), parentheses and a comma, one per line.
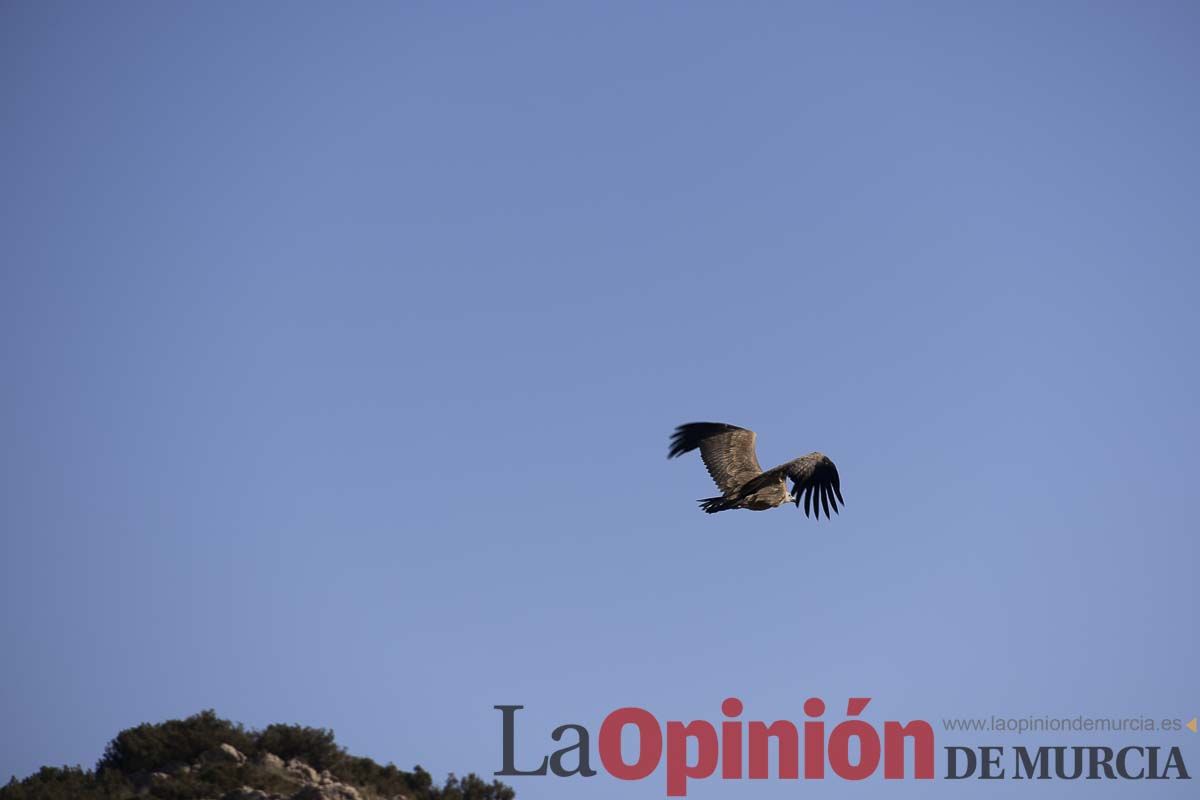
(312,745)
(472,787)
(178,741)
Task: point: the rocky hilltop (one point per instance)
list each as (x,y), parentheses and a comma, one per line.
(205,757)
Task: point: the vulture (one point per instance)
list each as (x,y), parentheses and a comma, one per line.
(728,455)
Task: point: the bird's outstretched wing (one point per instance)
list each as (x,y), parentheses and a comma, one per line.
(727,450)
(815,479)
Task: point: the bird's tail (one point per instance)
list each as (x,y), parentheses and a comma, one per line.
(712,505)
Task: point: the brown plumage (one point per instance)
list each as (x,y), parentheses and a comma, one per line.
(728,455)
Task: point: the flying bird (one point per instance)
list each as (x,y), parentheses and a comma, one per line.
(728,454)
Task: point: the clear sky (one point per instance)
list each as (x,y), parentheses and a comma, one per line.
(341,345)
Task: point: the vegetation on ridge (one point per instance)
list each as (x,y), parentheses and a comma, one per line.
(173,760)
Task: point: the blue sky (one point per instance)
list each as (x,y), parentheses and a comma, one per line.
(342,345)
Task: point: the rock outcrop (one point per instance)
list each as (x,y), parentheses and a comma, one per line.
(304,782)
